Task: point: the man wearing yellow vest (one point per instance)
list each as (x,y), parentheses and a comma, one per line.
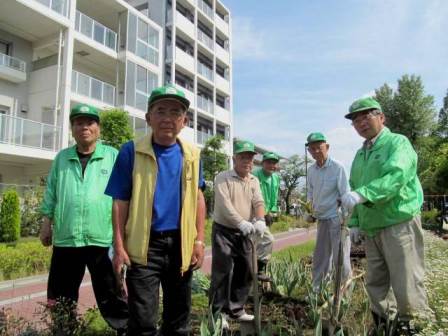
(238,213)
(158,216)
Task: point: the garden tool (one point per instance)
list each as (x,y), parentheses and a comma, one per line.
(343,217)
(253,327)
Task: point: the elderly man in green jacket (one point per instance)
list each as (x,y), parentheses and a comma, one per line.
(386,198)
(269,185)
(78,220)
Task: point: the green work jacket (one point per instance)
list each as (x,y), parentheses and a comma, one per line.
(269,186)
(80,211)
(386,176)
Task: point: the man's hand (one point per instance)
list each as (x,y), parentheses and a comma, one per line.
(119,259)
(260,226)
(246,227)
(198,255)
(46,233)
(309,218)
(355,235)
(350,199)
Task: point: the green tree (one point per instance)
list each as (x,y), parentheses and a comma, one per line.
(214,160)
(10,216)
(442,123)
(411,111)
(115,127)
(291,171)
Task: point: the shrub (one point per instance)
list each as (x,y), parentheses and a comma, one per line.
(429,219)
(31,218)
(10,216)
(115,128)
(23,259)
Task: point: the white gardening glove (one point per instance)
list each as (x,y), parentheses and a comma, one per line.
(355,235)
(246,227)
(350,199)
(260,226)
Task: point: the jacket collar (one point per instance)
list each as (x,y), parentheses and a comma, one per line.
(97,154)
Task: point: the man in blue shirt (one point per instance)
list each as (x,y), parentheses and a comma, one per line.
(327,182)
(158,215)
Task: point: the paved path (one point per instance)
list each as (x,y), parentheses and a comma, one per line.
(24,297)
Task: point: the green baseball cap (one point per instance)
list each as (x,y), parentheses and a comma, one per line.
(168,92)
(242,146)
(84,110)
(315,137)
(270,156)
(363,104)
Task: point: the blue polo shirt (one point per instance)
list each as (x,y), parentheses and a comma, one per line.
(167,197)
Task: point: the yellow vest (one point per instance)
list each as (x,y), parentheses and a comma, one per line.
(138,226)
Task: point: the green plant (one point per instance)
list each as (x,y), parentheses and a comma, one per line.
(10,216)
(115,127)
(287,275)
(31,218)
(200,282)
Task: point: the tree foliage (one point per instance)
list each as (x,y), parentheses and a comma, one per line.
(409,110)
(290,172)
(442,123)
(10,216)
(115,128)
(213,161)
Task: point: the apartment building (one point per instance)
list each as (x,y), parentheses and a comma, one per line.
(55,54)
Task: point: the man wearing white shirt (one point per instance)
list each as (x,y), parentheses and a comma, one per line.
(327,182)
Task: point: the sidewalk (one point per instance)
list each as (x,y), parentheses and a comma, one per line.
(24,297)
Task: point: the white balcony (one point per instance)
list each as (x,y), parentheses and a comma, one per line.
(188,93)
(95,31)
(206,9)
(59,6)
(93,88)
(184,24)
(222,54)
(205,104)
(202,137)
(185,60)
(205,71)
(12,69)
(222,84)
(222,25)
(222,114)
(28,133)
(205,39)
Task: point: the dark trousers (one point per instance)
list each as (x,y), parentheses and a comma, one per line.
(143,282)
(67,270)
(231,270)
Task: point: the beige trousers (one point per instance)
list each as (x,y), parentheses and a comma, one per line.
(264,245)
(395,270)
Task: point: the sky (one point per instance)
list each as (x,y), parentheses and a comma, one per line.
(299,64)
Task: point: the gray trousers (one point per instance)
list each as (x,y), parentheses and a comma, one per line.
(326,252)
(264,246)
(395,270)
(231,271)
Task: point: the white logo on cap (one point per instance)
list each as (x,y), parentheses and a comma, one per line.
(84,109)
(246,145)
(171,90)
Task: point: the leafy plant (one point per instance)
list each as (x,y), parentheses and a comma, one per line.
(10,216)
(115,127)
(31,218)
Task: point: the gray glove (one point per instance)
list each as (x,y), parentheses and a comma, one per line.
(246,227)
(355,235)
(260,226)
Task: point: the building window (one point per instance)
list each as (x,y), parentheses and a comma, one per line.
(147,42)
(140,82)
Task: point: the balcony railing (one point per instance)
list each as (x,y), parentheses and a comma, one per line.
(205,104)
(28,133)
(205,71)
(59,6)
(202,5)
(95,31)
(204,38)
(93,88)
(202,137)
(12,62)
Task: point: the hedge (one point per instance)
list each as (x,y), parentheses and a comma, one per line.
(10,216)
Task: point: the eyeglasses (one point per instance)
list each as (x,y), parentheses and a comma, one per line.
(172,114)
(364,117)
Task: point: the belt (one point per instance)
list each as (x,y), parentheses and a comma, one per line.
(167,233)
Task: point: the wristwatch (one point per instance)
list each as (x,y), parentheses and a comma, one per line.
(199,242)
